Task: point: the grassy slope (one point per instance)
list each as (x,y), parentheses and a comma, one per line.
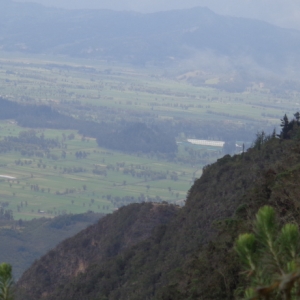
(192,257)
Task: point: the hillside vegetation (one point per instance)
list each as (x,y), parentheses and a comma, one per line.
(189,257)
(22,242)
(99,243)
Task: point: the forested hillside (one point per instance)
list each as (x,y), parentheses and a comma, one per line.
(122,136)
(101,242)
(190,255)
(22,242)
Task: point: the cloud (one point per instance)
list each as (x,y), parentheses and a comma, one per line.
(285,13)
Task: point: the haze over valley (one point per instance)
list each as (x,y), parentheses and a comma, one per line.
(150,123)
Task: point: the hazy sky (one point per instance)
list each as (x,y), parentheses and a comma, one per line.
(285,13)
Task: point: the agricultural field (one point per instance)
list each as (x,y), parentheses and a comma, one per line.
(116,92)
(101,182)
(79,176)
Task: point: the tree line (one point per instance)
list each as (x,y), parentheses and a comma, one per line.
(122,136)
(29,144)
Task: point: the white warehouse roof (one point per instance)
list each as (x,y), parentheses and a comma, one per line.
(206,143)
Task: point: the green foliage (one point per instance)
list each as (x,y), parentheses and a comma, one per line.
(19,246)
(262,138)
(6,282)
(102,242)
(245,246)
(285,127)
(290,129)
(270,258)
(137,137)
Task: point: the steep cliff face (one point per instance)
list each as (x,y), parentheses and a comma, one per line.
(153,251)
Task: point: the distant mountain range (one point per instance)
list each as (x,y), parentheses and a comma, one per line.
(157,38)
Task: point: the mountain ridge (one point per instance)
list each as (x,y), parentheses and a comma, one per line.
(161,38)
(189,256)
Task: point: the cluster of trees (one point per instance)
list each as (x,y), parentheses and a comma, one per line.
(29,144)
(138,137)
(98,171)
(288,128)
(20,162)
(146,174)
(126,200)
(71,170)
(37,188)
(34,116)
(19,207)
(81,154)
(120,136)
(30,137)
(6,214)
(262,138)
